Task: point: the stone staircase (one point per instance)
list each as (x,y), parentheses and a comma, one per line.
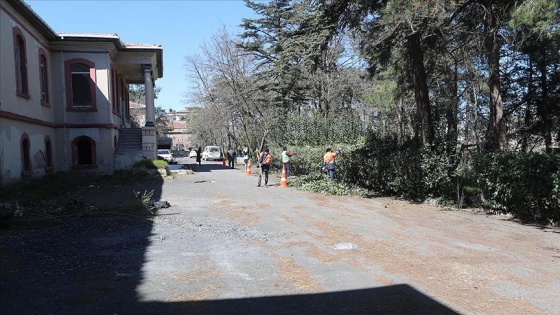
(130,141)
(129,149)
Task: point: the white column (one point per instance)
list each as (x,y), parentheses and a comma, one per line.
(149,89)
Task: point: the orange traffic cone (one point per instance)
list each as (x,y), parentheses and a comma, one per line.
(248,168)
(283,180)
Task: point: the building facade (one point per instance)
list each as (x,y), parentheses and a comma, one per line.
(64,97)
(179,132)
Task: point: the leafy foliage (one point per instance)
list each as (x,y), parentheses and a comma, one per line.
(523,184)
(316,130)
(384,166)
(146,164)
(321,184)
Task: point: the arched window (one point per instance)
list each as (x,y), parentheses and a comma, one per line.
(25,155)
(48,152)
(83,152)
(20,55)
(44,77)
(80,85)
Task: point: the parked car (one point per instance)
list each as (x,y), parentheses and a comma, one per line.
(165,154)
(212,153)
(179,153)
(192,154)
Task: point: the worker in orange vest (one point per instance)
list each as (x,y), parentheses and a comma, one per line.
(264,161)
(328,162)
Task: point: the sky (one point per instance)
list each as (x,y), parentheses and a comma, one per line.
(179,26)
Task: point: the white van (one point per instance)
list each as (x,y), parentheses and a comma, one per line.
(212,152)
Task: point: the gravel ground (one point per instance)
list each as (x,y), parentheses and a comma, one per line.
(227,247)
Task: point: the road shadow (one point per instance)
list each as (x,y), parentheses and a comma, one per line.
(395,299)
(79,265)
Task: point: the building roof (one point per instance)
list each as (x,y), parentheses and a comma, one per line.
(25,10)
(178,125)
(38,23)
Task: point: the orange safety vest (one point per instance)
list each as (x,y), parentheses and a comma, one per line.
(267,159)
(329,157)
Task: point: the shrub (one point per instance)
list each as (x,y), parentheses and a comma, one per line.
(161,164)
(318,183)
(308,160)
(384,166)
(146,163)
(437,177)
(525,184)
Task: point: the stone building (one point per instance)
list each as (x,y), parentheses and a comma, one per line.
(64,98)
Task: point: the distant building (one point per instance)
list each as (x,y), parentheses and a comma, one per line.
(181,115)
(176,136)
(180,138)
(64,98)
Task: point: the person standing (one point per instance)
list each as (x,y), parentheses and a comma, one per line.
(199,155)
(231,157)
(329,162)
(286,155)
(264,159)
(246,154)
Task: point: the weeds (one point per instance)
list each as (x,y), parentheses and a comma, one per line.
(320,184)
(59,197)
(140,204)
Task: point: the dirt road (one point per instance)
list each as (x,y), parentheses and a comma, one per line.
(228,247)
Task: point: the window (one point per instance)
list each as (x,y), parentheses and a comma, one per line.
(25,155)
(114,97)
(48,151)
(22,88)
(120,95)
(80,85)
(83,153)
(44,78)
(81,89)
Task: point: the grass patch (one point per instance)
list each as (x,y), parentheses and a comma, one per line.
(58,197)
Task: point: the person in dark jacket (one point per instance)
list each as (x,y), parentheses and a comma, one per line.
(231,155)
(265,159)
(199,155)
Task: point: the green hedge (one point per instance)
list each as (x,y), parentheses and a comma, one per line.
(385,167)
(525,184)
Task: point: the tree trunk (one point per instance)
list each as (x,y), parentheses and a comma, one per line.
(400,121)
(528,117)
(451,112)
(421,95)
(542,107)
(497,128)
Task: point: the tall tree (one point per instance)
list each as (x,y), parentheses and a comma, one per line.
(228,89)
(384,26)
(537,25)
(137,93)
